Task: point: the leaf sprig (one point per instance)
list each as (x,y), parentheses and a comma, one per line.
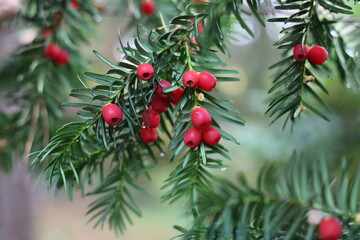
(278,206)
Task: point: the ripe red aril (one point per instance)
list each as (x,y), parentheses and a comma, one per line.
(192,137)
(317,55)
(159,89)
(148,7)
(330,229)
(159,105)
(62,58)
(176,96)
(145,71)
(211,135)
(300,52)
(200,118)
(151,118)
(190,79)
(52,50)
(207,81)
(148,135)
(112,114)
(75,4)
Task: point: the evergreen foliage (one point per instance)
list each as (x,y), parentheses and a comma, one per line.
(89,151)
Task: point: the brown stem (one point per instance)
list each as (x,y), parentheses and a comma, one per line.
(45,123)
(32,130)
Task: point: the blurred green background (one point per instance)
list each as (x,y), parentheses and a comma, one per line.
(57,218)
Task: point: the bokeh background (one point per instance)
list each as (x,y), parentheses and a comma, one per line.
(45,215)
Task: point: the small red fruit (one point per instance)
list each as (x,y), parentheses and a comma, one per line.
(159,89)
(46,33)
(145,71)
(193,40)
(151,119)
(159,105)
(330,229)
(112,114)
(192,137)
(148,7)
(200,27)
(190,79)
(200,118)
(176,96)
(300,52)
(148,135)
(207,81)
(211,136)
(317,55)
(62,58)
(52,51)
(75,4)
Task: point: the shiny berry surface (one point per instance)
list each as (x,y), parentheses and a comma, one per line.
(190,79)
(52,51)
(207,81)
(159,105)
(176,95)
(200,118)
(147,7)
(112,114)
(317,55)
(330,229)
(62,58)
(159,89)
(300,52)
(148,135)
(193,137)
(151,118)
(211,135)
(145,71)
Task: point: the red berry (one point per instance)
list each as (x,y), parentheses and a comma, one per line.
(148,7)
(112,114)
(330,229)
(200,118)
(151,119)
(300,52)
(176,94)
(75,4)
(52,51)
(159,89)
(145,71)
(46,33)
(192,137)
(193,40)
(62,58)
(211,136)
(190,79)
(159,105)
(317,55)
(148,135)
(200,26)
(207,81)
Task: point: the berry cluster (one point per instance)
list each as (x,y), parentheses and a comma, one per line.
(202,131)
(159,103)
(204,80)
(57,54)
(316,54)
(330,229)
